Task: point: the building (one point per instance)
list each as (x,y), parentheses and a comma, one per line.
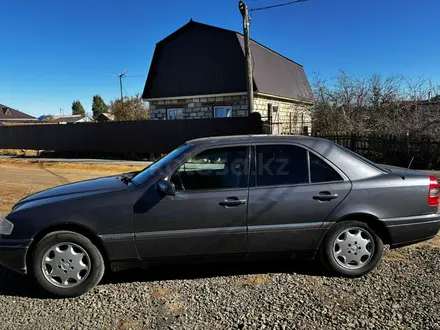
(199,71)
(73,119)
(13,116)
(104,117)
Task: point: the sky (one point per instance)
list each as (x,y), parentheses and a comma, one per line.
(54,52)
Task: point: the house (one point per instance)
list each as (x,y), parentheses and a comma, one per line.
(12,116)
(104,117)
(73,119)
(199,71)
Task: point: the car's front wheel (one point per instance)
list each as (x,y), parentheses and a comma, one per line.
(67,264)
(351,248)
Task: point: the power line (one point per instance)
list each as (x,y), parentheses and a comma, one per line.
(275,6)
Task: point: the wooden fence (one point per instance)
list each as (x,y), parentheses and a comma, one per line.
(393,150)
(149,137)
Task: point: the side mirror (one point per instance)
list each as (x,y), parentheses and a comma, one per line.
(166,188)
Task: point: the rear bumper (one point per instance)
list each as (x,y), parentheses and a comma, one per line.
(409,230)
(13,254)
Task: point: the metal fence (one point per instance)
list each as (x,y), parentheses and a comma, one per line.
(152,137)
(393,150)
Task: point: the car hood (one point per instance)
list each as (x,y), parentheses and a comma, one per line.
(78,189)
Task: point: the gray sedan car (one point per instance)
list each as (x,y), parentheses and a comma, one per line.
(237,197)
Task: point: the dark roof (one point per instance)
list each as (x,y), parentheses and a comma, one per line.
(7,113)
(277,75)
(200,59)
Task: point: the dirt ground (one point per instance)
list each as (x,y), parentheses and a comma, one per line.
(19,178)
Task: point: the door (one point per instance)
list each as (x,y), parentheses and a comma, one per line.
(208,213)
(293,191)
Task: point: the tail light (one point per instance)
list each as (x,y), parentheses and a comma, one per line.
(434,191)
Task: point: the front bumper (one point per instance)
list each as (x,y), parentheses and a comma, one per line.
(13,254)
(409,230)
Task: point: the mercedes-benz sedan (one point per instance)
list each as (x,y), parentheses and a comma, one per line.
(235,197)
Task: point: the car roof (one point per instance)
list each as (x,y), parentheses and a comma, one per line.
(262,138)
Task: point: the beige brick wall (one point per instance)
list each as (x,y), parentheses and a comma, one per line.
(199,107)
(290,116)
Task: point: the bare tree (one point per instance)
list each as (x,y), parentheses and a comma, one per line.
(373,104)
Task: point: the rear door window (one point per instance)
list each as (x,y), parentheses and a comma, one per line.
(281,165)
(320,171)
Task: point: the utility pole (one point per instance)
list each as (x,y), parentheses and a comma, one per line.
(120,82)
(244,10)
(249,79)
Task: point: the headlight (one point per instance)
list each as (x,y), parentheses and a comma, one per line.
(6,226)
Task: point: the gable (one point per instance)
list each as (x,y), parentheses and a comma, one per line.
(196,60)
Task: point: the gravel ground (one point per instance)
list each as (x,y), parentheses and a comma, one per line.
(403,293)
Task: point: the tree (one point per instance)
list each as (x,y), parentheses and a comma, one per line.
(98,106)
(77,108)
(371,104)
(130,108)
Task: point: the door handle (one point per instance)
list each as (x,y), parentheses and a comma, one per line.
(232,201)
(325,196)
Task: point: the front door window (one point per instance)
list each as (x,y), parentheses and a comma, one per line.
(213,169)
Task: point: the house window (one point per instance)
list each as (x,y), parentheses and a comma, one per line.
(223,112)
(176,113)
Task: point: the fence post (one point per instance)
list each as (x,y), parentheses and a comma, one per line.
(290,123)
(353,142)
(407,145)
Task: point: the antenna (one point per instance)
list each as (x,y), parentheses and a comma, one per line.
(120,76)
(410,163)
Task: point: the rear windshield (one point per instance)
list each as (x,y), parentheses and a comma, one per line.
(365,160)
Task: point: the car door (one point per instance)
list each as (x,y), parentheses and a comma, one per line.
(292,192)
(208,213)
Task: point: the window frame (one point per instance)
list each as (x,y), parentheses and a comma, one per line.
(223,106)
(253,183)
(173,109)
(197,151)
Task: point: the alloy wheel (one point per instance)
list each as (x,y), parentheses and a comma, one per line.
(66,265)
(353,248)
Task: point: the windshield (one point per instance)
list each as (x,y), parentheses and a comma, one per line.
(365,160)
(161,163)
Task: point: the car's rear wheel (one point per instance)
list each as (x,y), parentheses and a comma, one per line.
(67,264)
(351,248)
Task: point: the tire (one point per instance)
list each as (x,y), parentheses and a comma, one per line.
(351,240)
(71,255)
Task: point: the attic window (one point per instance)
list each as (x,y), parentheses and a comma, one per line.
(7,112)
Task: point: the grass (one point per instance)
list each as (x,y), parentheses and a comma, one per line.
(126,324)
(395,256)
(254,280)
(159,292)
